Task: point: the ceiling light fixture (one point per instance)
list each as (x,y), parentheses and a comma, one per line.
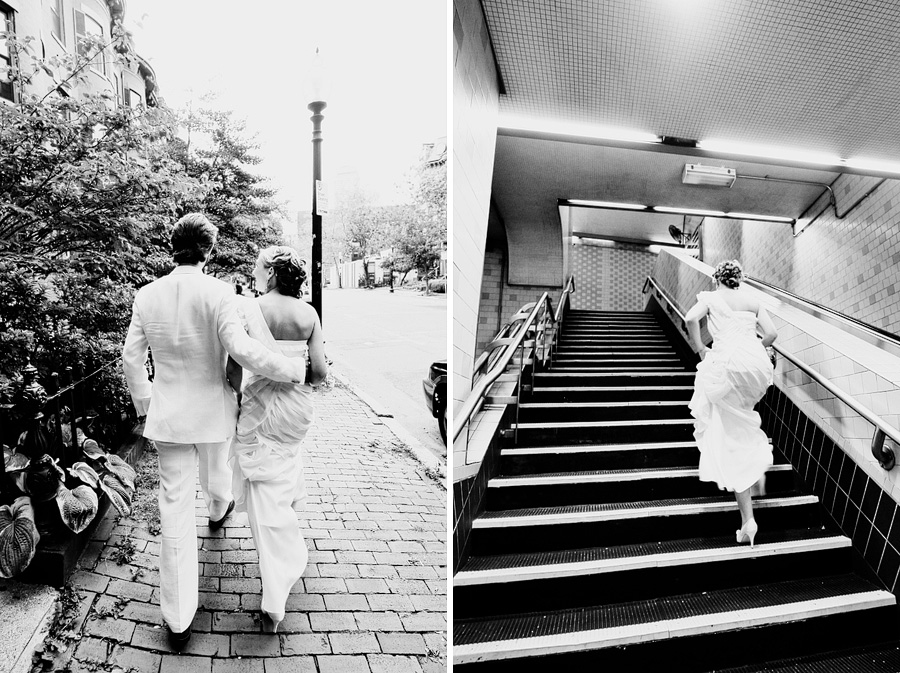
(874,165)
(761,218)
(713,176)
(578,129)
(603,204)
(689,211)
(770,152)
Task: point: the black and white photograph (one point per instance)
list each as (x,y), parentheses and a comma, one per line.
(675,252)
(223,336)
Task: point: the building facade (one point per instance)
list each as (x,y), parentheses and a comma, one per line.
(63,30)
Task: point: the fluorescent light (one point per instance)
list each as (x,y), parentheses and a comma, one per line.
(764,218)
(770,152)
(604,204)
(874,165)
(714,176)
(567,128)
(689,211)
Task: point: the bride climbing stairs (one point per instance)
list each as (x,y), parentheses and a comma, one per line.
(600,549)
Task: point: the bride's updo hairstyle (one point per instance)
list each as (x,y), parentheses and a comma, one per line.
(290,271)
(729,273)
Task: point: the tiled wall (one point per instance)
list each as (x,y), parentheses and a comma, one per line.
(765,249)
(851,265)
(500,301)
(468,499)
(858,504)
(475,110)
(609,277)
(827,442)
(490,316)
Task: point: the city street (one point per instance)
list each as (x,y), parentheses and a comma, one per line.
(384,343)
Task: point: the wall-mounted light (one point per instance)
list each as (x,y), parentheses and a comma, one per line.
(713,176)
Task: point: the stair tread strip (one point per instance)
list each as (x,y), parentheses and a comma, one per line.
(507,568)
(870,659)
(605,476)
(634,374)
(604,405)
(607,389)
(663,618)
(595,448)
(602,424)
(617,511)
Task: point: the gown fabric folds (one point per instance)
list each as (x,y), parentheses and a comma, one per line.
(732,378)
(268,472)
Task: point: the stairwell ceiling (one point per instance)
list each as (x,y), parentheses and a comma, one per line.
(815,75)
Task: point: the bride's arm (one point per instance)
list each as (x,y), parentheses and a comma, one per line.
(317,366)
(769,333)
(692,321)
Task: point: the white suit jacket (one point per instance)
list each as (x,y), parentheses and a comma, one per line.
(190,322)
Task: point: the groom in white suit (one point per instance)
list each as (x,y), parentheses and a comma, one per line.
(189,321)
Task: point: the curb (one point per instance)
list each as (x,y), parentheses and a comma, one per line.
(421,454)
(24,662)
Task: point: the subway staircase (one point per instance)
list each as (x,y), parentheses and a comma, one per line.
(600,550)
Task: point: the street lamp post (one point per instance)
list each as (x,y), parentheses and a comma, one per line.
(316,108)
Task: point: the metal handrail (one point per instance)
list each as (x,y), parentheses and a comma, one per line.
(512,344)
(465,412)
(885,457)
(560,307)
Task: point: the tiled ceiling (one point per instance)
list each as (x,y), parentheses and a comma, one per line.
(813,74)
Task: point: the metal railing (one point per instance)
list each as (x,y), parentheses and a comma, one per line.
(884,456)
(541,323)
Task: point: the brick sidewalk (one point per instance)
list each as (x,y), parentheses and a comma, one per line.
(372,599)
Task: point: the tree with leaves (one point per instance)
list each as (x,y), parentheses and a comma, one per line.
(218,153)
(87,191)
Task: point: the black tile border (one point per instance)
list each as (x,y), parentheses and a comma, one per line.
(468,495)
(857,504)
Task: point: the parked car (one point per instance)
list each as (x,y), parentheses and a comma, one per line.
(435,387)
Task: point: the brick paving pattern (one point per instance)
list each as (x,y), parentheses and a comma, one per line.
(372,599)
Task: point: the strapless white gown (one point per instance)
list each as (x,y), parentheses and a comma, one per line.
(268,470)
(730,381)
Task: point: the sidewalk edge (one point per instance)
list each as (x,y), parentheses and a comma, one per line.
(421,454)
(24,662)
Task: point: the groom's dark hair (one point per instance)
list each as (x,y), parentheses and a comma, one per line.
(193,238)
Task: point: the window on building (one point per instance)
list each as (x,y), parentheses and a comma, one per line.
(7,86)
(58,26)
(133,98)
(87,26)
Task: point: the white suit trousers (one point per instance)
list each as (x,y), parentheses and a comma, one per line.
(178,571)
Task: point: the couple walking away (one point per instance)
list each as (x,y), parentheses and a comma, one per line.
(732,377)
(245,431)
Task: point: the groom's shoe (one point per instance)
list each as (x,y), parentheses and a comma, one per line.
(178,641)
(217,524)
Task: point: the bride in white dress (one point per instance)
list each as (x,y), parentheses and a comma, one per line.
(274,419)
(732,377)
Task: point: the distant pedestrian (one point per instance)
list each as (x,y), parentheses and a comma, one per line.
(190,321)
(731,378)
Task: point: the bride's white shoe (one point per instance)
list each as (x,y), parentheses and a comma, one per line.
(269,624)
(747,532)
